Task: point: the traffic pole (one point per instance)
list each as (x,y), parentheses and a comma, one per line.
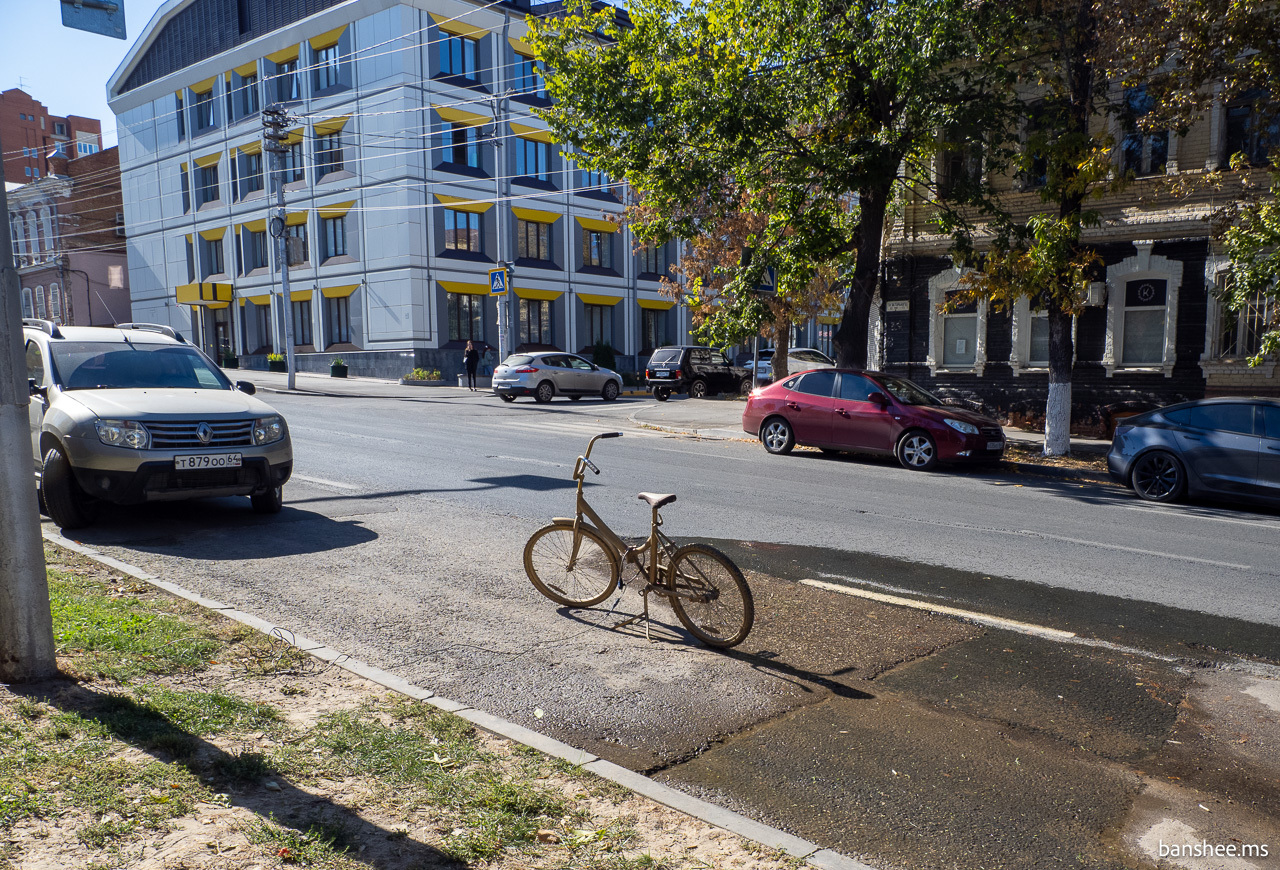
(26,622)
(274,121)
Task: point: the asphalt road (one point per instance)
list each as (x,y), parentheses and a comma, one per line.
(401,543)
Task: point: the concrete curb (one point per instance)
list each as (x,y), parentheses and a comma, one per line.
(734,823)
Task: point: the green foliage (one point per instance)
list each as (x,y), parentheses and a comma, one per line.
(1253,244)
(602,355)
(275,357)
(423,375)
(337,361)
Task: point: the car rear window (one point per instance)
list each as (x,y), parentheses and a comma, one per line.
(665,355)
(811,356)
(517,360)
(85,365)
(1224,418)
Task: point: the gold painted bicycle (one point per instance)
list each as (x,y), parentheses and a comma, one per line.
(576,561)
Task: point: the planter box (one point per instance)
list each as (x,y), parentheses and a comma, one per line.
(412,383)
(231,362)
(277,366)
(337,371)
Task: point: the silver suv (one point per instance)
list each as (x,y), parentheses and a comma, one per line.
(134,413)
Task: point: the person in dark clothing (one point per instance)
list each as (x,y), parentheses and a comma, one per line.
(471,359)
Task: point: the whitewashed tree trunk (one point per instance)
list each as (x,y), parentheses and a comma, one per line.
(1057,420)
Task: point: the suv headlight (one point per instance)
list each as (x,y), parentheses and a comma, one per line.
(268,430)
(123,433)
(961,426)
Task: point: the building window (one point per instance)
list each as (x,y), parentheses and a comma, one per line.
(335,237)
(533,159)
(254,246)
(458,56)
(597,248)
(206,184)
(263,313)
(957,339)
(83,149)
(1252,129)
(535,321)
(1144,316)
(294,163)
(55,304)
(210,258)
(328,68)
(181,115)
(652,261)
(337,317)
(1240,333)
(653,329)
(462,145)
(28,304)
(121,230)
(959,166)
(594,179)
(1141,153)
(186,190)
(1036,128)
(301,322)
(288,85)
(249,104)
(115,277)
(533,240)
(960,337)
(251,178)
(191,261)
(295,244)
(328,154)
(41,312)
(466,316)
(461,230)
(826,338)
(202,107)
(528,80)
(59,128)
(599,321)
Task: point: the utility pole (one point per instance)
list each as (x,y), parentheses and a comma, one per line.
(274,121)
(26,622)
(506,343)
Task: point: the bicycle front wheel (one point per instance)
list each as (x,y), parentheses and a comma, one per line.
(575,570)
(710,596)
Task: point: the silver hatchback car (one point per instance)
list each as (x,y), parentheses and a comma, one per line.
(547,375)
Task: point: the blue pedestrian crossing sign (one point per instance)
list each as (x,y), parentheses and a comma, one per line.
(497,282)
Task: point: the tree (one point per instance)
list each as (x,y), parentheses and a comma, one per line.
(808,114)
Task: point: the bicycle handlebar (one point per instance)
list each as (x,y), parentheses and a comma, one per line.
(587,462)
(585,458)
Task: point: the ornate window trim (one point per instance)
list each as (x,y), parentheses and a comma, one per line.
(1143,264)
(939,285)
(1216,267)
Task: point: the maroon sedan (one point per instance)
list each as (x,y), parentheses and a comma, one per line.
(869,412)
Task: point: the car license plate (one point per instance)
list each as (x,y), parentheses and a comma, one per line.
(662,373)
(995,445)
(206,460)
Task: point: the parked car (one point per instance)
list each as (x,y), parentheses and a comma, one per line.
(869,412)
(799,359)
(693,369)
(549,374)
(133,413)
(1227,447)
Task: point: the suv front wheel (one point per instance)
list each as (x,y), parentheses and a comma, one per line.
(67,503)
(268,502)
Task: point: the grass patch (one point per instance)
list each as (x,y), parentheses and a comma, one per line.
(320,845)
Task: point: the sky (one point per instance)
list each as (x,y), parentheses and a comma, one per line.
(66,69)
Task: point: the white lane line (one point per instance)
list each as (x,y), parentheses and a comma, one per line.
(1175,512)
(323,482)
(700,453)
(972,616)
(527,460)
(1215,563)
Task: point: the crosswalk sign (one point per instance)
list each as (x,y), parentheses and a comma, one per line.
(497,282)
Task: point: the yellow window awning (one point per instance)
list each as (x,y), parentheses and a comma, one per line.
(454,115)
(293,137)
(521,47)
(464,287)
(209,160)
(250,148)
(204,293)
(300,295)
(329,126)
(258,226)
(524,131)
(599,299)
(533,293)
(213,234)
(339,292)
(458,28)
(828,319)
(256,297)
(284,55)
(536,215)
(335,210)
(597,225)
(328,38)
(656,304)
(461,204)
(205,86)
(247,69)
(295,218)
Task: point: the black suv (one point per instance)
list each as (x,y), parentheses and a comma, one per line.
(698,371)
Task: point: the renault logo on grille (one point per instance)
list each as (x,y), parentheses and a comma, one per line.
(205,433)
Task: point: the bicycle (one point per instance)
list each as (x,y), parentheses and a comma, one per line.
(576,561)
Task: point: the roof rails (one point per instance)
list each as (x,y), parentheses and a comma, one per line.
(46,326)
(154,327)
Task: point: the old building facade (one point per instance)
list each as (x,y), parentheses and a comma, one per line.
(33,138)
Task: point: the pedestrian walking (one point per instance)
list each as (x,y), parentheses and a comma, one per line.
(471,359)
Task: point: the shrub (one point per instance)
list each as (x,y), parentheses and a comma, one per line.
(337,361)
(602,355)
(423,375)
(275,357)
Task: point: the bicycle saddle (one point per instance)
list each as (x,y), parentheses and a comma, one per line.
(657,499)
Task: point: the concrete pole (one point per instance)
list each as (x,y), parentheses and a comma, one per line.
(26,624)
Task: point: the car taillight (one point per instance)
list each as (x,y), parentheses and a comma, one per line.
(648,373)
(527,370)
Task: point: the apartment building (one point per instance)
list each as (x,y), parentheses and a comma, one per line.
(1153,329)
(414,166)
(32,137)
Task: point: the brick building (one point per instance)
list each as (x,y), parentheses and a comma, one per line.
(31,137)
(69,242)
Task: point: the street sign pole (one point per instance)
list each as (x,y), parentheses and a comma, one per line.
(274,122)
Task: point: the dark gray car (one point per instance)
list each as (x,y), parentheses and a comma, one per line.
(1222,448)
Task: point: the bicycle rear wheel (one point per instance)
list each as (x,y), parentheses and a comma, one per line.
(712,598)
(576,577)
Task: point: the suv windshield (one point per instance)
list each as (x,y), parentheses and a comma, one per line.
(93,365)
(908,393)
(665,355)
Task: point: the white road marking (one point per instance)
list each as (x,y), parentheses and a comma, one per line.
(700,453)
(525,459)
(1214,562)
(323,482)
(1175,512)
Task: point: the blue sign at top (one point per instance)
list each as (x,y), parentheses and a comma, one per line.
(104,17)
(497,282)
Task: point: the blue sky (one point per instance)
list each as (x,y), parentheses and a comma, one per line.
(66,69)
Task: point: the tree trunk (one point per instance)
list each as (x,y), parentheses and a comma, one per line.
(1057,412)
(851,338)
(781,345)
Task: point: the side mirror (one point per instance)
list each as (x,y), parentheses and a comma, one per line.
(246,387)
(879,399)
(33,389)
